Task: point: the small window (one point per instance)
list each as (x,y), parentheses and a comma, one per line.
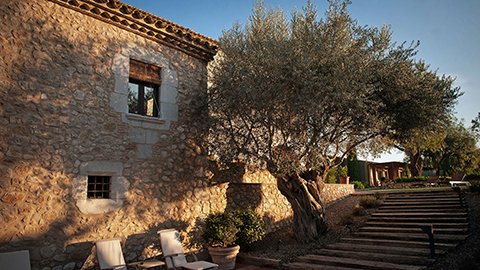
(143,89)
(98,187)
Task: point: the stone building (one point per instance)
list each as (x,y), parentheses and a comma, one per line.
(96,136)
(96,133)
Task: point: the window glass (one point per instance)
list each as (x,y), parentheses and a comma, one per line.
(143,98)
(150,102)
(133,98)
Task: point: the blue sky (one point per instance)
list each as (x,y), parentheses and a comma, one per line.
(448,31)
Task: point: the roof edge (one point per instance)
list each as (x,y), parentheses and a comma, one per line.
(146,25)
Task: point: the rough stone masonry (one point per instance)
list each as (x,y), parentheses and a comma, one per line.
(64,116)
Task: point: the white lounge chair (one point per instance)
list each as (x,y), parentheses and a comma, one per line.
(110,256)
(173,252)
(16,260)
(457,179)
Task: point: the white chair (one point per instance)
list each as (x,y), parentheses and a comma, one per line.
(16,260)
(110,256)
(173,252)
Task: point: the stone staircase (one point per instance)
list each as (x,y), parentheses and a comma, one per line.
(392,238)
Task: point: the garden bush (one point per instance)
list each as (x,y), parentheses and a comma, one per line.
(410,179)
(237,227)
(359,211)
(346,220)
(357,184)
(360,184)
(331,176)
(251,230)
(369,202)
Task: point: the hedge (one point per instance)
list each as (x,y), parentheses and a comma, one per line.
(411,179)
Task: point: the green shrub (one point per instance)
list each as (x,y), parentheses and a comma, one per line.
(237,227)
(346,220)
(357,184)
(359,211)
(331,178)
(386,180)
(251,230)
(342,171)
(221,229)
(369,202)
(411,179)
(360,184)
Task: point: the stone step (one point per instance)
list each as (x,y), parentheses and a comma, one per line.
(392,238)
(355,263)
(416,225)
(428,220)
(439,247)
(423,198)
(421,192)
(379,257)
(409,251)
(421,214)
(436,207)
(439,238)
(421,203)
(309,266)
(457,231)
(426,211)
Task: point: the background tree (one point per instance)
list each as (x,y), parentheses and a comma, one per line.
(417,143)
(296,95)
(476,124)
(458,153)
(352,164)
(422,118)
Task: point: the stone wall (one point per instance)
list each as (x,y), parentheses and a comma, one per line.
(62,87)
(334,192)
(60,119)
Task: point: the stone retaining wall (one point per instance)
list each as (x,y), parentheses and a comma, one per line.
(334,192)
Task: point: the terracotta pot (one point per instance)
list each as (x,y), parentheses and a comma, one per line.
(224,257)
(344,179)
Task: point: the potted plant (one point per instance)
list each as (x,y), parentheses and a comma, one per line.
(251,230)
(226,232)
(220,233)
(343,175)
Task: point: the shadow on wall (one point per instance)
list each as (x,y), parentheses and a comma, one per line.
(243,195)
(54,114)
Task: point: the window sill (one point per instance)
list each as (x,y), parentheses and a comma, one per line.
(147,119)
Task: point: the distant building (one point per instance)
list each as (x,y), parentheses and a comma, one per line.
(385,170)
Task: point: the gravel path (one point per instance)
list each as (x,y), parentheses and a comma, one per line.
(281,244)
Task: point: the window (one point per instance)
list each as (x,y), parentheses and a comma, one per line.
(143,89)
(98,187)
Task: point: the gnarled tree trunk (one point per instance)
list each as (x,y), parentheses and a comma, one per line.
(416,164)
(303,193)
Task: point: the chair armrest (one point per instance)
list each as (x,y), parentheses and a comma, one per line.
(193,254)
(171,255)
(171,259)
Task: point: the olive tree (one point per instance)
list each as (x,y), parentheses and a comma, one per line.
(294,94)
(458,152)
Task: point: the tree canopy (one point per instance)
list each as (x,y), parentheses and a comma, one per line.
(294,94)
(458,152)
